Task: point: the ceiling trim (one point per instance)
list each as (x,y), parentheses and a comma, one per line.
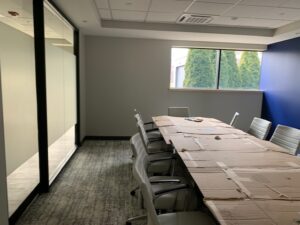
(188,28)
(218,45)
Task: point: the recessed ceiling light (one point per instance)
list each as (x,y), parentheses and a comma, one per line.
(13,13)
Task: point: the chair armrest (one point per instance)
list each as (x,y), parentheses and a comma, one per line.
(165,181)
(149,123)
(171,189)
(163,158)
(152,129)
(155,139)
(153,153)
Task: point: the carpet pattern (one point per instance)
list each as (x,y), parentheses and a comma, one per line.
(93,189)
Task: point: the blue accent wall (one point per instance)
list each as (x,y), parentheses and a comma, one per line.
(280,81)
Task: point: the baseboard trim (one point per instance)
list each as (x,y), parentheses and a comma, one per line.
(19,211)
(107,138)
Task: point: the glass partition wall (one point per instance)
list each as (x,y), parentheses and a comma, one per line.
(61,89)
(20,105)
(17,59)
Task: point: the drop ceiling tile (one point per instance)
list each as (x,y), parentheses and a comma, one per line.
(169,6)
(248,22)
(208,8)
(102,4)
(105,14)
(262,12)
(162,17)
(273,3)
(134,5)
(136,16)
(291,4)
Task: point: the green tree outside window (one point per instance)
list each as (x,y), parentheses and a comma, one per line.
(229,71)
(200,69)
(250,70)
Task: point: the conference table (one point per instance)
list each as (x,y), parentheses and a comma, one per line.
(244,180)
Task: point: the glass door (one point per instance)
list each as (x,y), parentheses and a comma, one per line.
(61,89)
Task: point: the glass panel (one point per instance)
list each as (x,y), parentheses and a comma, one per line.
(200,68)
(240,69)
(17,59)
(61,89)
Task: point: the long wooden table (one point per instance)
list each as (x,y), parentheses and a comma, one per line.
(244,180)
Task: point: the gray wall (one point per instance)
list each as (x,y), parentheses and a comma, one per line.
(3,187)
(82,87)
(123,74)
(19,96)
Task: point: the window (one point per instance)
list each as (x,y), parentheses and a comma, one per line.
(215,69)
(180,75)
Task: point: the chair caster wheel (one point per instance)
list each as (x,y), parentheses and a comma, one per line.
(128,223)
(132,193)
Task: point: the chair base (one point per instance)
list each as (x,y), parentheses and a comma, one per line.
(132,219)
(132,193)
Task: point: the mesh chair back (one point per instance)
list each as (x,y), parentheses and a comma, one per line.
(136,144)
(138,117)
(260,128)
(143,133)
(234,119)
(139,170)
(179,111)
(287,137)
(148,202)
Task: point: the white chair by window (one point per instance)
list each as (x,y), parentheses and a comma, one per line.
(160,163)
(234,119)
(260,128)
(178,218)
(179,111)
(288,138)
(152,133)
(152,146)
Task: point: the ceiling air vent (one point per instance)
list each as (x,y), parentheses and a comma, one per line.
(194,19)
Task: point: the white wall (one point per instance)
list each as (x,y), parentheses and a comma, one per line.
(123,74)
(3,186)
(82,87)
(19,96)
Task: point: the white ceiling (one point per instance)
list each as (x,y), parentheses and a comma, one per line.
(279,17)
(55,27)
(250,13)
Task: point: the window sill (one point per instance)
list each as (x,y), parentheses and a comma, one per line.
(216,90)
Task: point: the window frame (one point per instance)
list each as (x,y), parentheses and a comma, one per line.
(218,72)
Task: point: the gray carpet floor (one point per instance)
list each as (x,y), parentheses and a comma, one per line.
(93,189)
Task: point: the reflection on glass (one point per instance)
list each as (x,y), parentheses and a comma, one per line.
(61,89)
(19,99)
(240,69)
